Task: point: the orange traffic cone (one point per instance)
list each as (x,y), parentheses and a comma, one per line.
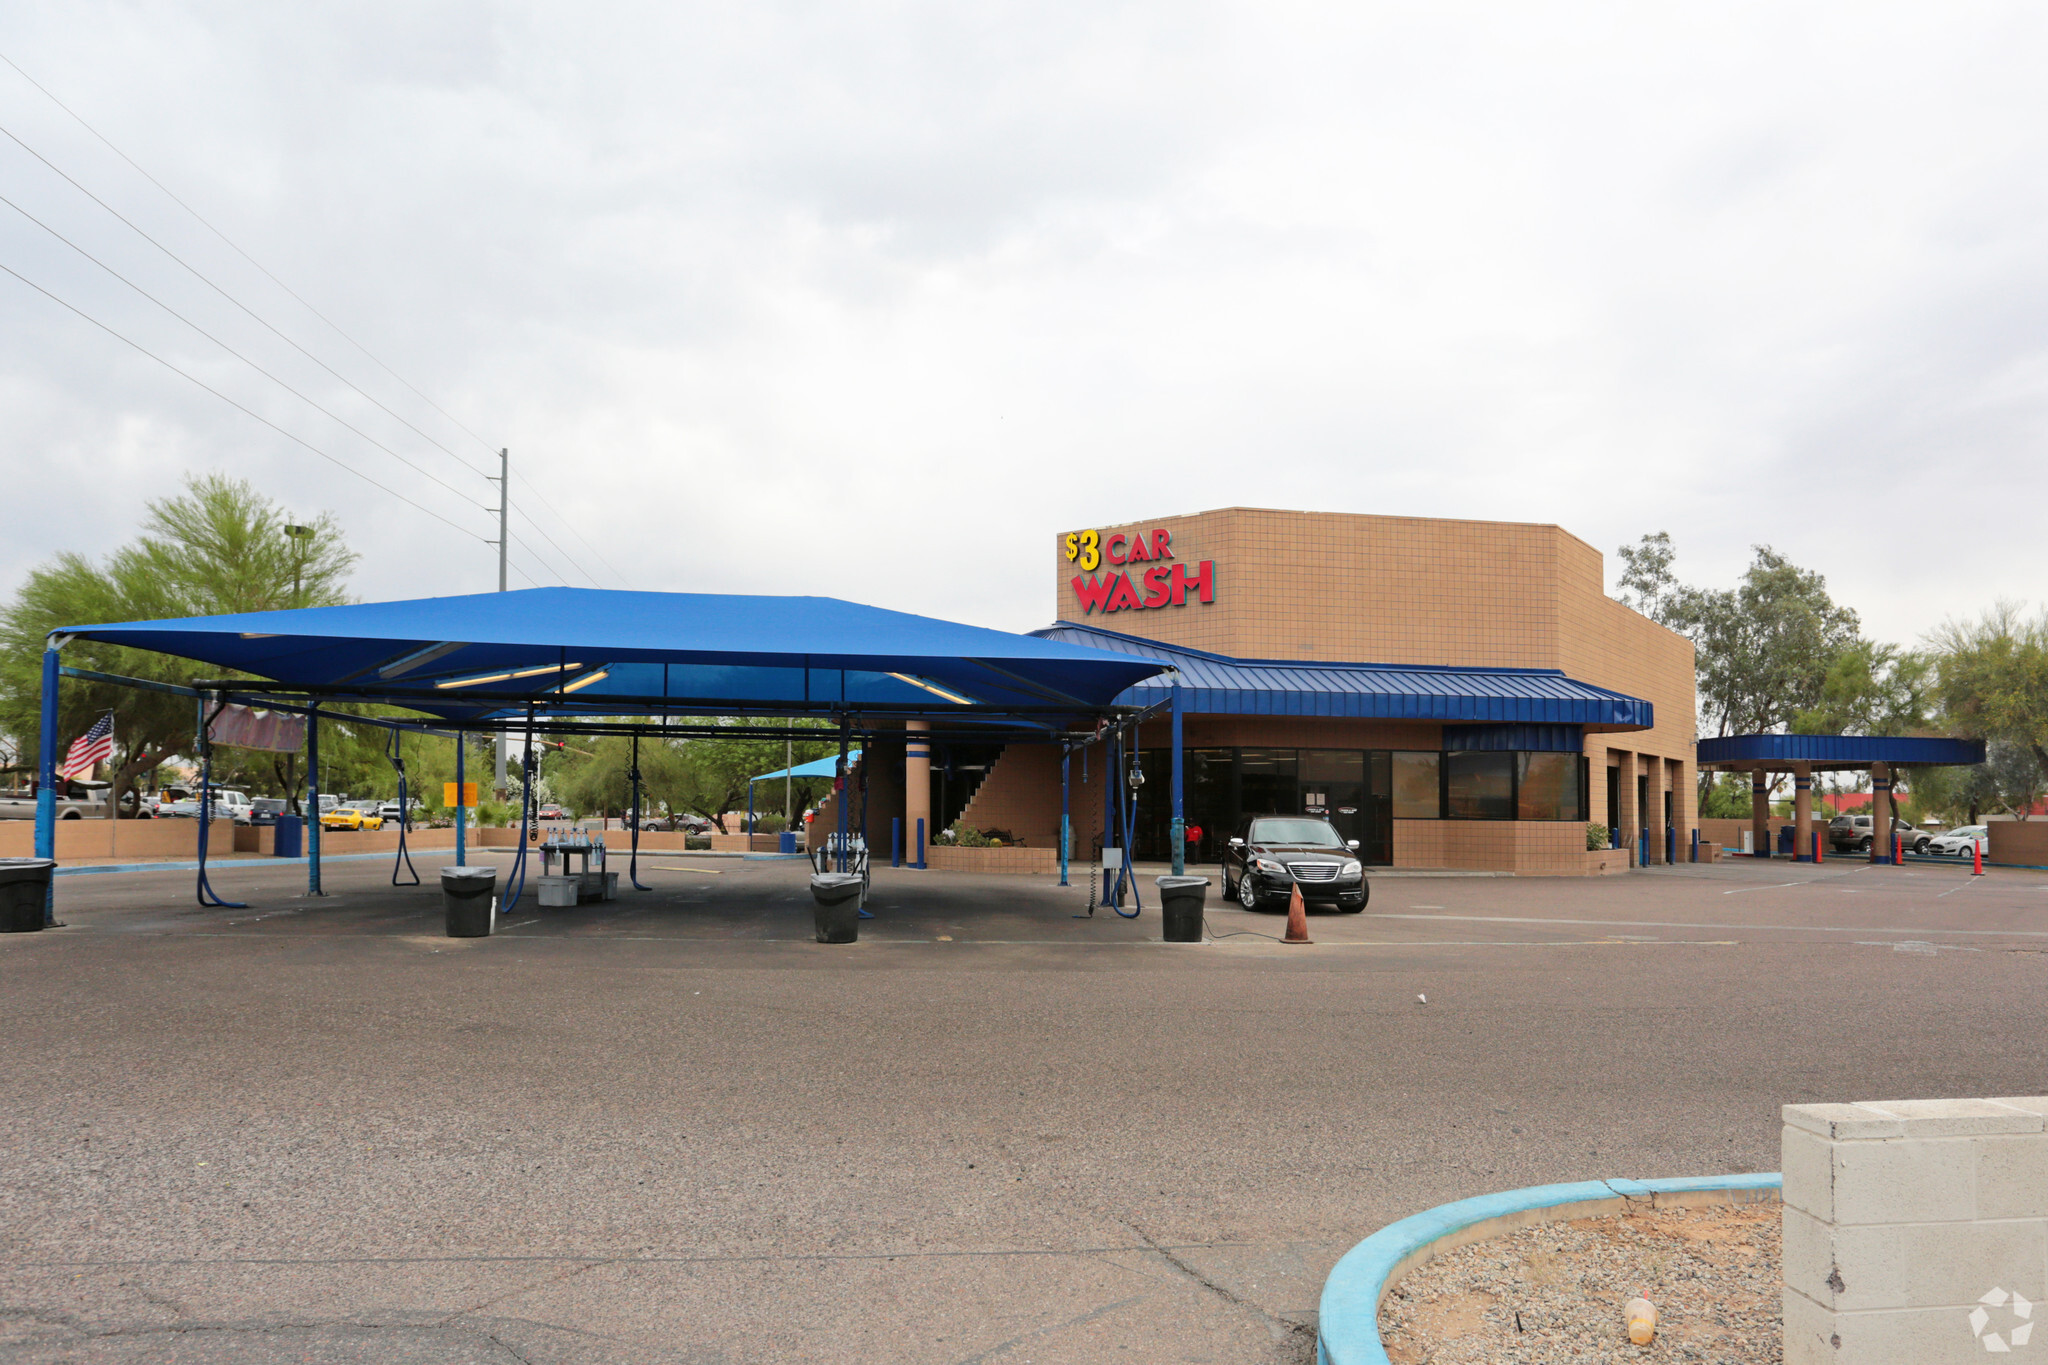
(1297,919)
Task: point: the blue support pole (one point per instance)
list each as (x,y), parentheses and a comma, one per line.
(461,811)
(919,864)
(844,796)
(1695,845)
(1109,766)
(1180,824)
(46,779)
(313,801)
(1670,843)
(750,814)
(1643,847)
(1066,825)
(896,841)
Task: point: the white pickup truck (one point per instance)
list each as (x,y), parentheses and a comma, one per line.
(227,805)
(75,801)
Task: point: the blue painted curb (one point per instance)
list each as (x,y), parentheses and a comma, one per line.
(1348,1321)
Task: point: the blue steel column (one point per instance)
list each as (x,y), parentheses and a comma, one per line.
(843,793)
(461,811)
(1109,762)
(1066,825)
(46,779)
(313,800)
(1180,824)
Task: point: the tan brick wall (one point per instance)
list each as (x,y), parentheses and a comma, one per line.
(1007,860)
(2024,842)
(1539,847)
(1415,590)
(1021,793)
(884,762)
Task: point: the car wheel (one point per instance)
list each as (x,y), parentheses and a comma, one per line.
(1920,848)
(1247,893)
(1863,844)
(1363,901)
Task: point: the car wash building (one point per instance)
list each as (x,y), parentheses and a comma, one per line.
(1457,694)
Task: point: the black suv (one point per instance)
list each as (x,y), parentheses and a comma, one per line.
(1273,854)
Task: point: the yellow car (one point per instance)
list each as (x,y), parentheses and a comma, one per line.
(351,817)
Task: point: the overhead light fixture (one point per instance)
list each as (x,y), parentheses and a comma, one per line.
(419,658)
(934,689)
(506,677)
(586,680)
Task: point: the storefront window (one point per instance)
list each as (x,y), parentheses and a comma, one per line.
(1267,782)
(1417,795)
(1479,786)
(1547,787)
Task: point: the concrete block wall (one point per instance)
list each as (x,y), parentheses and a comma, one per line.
(1916,1231)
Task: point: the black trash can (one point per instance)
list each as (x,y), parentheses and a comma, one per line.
(288,837)
(24,893)
(466,895)
(838,906)
(1180,907)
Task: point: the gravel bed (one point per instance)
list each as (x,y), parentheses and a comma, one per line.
(1554,1293)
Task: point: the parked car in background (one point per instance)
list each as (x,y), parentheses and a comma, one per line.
(1273,854)
(550,811)
(1851,834)
(1961,843)
(689,824)
(354,815)
(263,810)
(75,801)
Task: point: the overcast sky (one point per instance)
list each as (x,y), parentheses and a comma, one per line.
(870,300)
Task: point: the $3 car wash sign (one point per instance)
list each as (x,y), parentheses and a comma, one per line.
(1161,580)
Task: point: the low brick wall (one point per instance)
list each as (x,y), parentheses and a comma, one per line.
(2020,842)
(1908,1227)
(743,843)
(1014,860)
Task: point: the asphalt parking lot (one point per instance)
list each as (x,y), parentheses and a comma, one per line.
(674,1129)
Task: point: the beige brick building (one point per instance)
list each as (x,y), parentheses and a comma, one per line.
(1480,701)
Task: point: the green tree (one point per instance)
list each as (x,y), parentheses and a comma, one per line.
(598,779)
(1871,689)
(718,768)
(1763,649)
(1992,678)
(218,547)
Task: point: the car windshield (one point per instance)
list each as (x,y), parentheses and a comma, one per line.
(1315,833)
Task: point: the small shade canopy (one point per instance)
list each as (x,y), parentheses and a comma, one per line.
(1836,751)
(827,766)
(587,651)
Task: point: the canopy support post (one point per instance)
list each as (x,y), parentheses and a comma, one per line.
(633,858)
(313,800)
(1066,825)
(844,794)
(46,779)
(1180,824)
(461,812)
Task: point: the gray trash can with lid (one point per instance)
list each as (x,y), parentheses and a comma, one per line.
(1180,907)
(838,906)
(466,895)
(24,893)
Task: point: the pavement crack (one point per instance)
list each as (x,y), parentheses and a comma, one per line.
(1281,1326)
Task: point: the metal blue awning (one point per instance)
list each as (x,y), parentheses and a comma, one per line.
(1214,684)
(1836,751)
(587,651)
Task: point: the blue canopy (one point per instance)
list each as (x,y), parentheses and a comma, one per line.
(827,766)
(597,653)
(1215,684)
(1836,751)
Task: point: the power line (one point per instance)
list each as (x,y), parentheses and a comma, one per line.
(232,245)
(297,440)
(553,572)
(199,275)
(246,256)
(312,403)
(558,549)
(572,531)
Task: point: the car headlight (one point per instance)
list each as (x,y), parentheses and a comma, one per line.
(1270,867)
(1353,868)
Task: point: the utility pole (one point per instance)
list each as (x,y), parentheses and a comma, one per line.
(298,535)
(504,482)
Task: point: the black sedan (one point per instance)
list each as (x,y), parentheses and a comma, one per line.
(1273,854)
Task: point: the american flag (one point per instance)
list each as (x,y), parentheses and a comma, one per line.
(94,746)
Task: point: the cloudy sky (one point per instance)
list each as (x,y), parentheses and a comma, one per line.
(870,300)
